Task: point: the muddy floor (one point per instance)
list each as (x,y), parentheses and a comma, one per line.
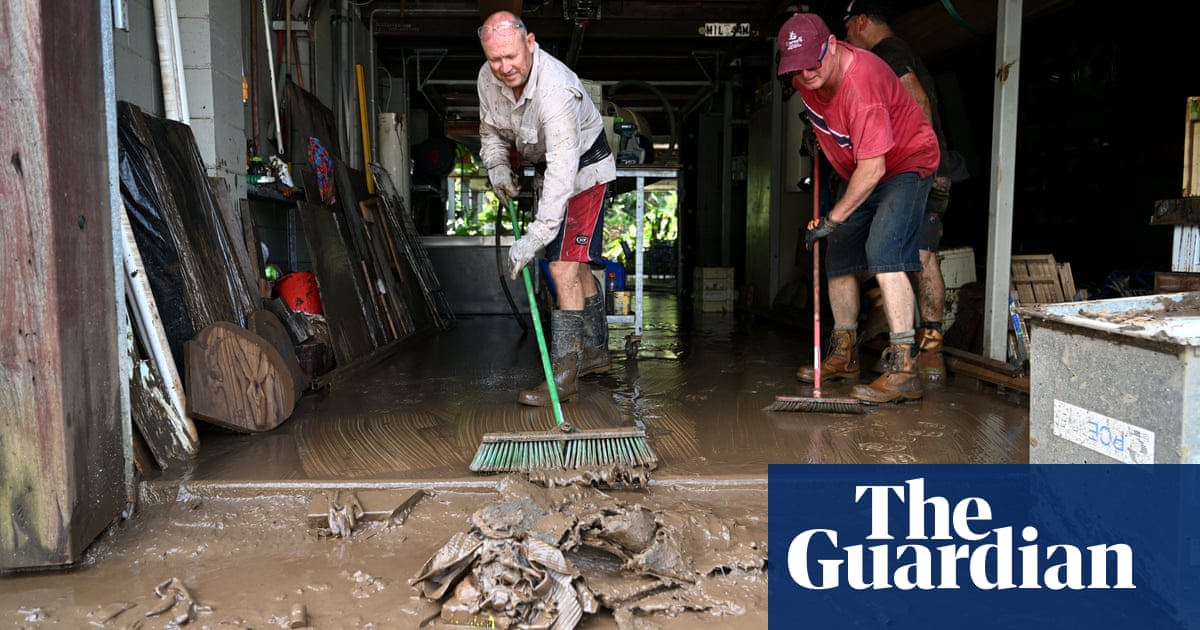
(244,538)
(252,558)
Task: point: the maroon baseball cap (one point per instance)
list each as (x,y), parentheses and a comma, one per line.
(800,42)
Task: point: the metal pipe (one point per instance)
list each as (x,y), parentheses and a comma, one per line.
(274,94)
(116,211)
(373,118)
(254,112)
(287,39)
(170,61)
(342,83)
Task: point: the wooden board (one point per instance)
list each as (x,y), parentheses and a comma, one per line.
(230,214)
(267,325)
(387,266)
(157,403)
(296,324)
(966,368)
(1174,282)
(154,415)
(1067,281)
(344,295)
(61,428)
(1035,279)
(237,380)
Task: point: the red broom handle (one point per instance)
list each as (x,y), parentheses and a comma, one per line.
(816,281)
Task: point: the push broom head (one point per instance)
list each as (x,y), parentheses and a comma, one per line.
(588,449)
(816,405)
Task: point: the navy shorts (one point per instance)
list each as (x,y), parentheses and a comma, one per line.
(581,234)
(881,236)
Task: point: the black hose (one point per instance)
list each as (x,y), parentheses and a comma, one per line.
(504,281)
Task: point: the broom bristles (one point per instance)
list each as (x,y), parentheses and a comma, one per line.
(522,452)
(816,405)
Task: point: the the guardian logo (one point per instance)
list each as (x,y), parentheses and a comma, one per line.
(949,546)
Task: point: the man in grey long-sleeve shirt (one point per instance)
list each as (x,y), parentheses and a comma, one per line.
(531,102)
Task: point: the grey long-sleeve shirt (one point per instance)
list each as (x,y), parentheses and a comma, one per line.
(554,122)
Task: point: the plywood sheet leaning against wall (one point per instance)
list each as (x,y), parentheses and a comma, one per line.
(156,390)
(201,275)
(353,325)
(237,380)
(351,189)
(178,226)
(234,221)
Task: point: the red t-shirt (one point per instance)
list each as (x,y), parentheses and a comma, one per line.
(871,114)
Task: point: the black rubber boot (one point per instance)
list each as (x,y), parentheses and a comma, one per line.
(566,348)
(595,359)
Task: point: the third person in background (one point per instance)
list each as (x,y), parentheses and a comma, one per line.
(867,26)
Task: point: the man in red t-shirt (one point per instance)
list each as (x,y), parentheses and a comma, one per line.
(881,144)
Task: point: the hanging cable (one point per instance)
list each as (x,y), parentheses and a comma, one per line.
(949,6)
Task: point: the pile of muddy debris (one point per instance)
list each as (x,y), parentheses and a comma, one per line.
(544,558)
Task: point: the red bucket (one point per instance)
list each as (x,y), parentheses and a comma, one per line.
(299,290)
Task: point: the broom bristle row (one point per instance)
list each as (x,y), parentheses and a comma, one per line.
(525,452)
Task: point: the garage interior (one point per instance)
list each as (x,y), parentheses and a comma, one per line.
(391,389)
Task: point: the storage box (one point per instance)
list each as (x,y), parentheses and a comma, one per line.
(714,289)
(958,266)
(1115,380)
(958,270)
(622,302)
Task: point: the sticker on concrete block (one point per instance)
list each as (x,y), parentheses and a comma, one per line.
(1108,436)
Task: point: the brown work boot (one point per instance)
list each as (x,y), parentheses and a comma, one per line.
(900,382)
(841,360)
(566,350)
(930,363)
(566,378)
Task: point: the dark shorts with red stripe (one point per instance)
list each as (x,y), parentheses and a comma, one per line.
(580,239)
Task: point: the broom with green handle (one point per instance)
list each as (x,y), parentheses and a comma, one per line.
(568,448)
(541,336)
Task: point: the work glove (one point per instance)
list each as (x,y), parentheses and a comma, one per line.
(521,253)
(504,184)
(823,228)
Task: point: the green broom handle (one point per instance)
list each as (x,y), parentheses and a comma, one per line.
(537,328)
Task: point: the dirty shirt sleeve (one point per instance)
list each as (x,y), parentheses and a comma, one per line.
(560,130)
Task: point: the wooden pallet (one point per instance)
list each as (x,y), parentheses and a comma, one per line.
(1039,279)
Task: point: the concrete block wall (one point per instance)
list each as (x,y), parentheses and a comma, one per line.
(210,36)
(135,57)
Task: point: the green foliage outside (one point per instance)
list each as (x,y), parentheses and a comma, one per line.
(475,213)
